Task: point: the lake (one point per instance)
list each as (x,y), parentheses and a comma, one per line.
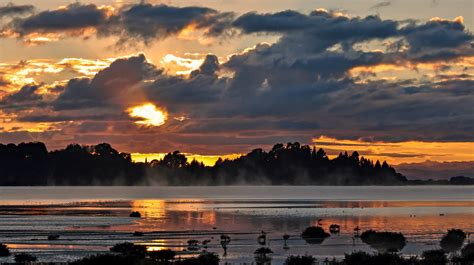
(91,219)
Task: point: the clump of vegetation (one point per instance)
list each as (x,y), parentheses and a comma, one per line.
(300,260)
(4,251)
(453,240)
(262,255)
(314,235)
(193,245)
(384,241)
(129,249)
(138,233)
(53,237)
(135,214)
(434,257)
(25,258)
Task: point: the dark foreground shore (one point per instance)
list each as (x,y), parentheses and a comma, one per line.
(452,249)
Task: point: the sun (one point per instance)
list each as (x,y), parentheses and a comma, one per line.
(149,115)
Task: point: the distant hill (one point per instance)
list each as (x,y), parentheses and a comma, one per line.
(436,170)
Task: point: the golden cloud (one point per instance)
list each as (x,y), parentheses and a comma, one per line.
(402,152)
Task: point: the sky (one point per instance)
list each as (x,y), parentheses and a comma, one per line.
(390,79)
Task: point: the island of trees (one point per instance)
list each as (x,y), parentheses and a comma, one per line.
(290,164)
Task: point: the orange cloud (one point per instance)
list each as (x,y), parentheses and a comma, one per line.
(407,70)
(401,152)
(9,123)
(40,70)
(402,66)
(182,65)
(458,19)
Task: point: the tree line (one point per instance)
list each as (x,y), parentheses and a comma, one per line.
(290,164)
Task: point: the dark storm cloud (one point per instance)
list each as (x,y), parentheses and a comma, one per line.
(273,22)
(326,28)
(162,21)
(108,86)
(208,67)
(73,17)
(437,34)
(26,94)
(434,40)
(309,36)
(140,22)
(202,87)
(12,10)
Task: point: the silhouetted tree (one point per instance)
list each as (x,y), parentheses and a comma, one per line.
(290,164)
(453,240)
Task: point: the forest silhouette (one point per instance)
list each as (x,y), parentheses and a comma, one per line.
(290,164)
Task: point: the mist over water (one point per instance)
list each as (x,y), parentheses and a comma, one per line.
(350,193)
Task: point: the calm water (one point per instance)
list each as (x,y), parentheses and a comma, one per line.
(91,219)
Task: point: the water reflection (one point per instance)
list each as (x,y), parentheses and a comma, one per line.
(172,223)
(412,218)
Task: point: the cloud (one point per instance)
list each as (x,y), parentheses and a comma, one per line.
(315,32)
(65,118)
(108,87)
(209,66)
(325,27)
(162,21)
(74,17)
(381,4)
(438,34)
(127,23)
(26,94)
(12,10)
(3,81)
(296,88)
(273,22)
